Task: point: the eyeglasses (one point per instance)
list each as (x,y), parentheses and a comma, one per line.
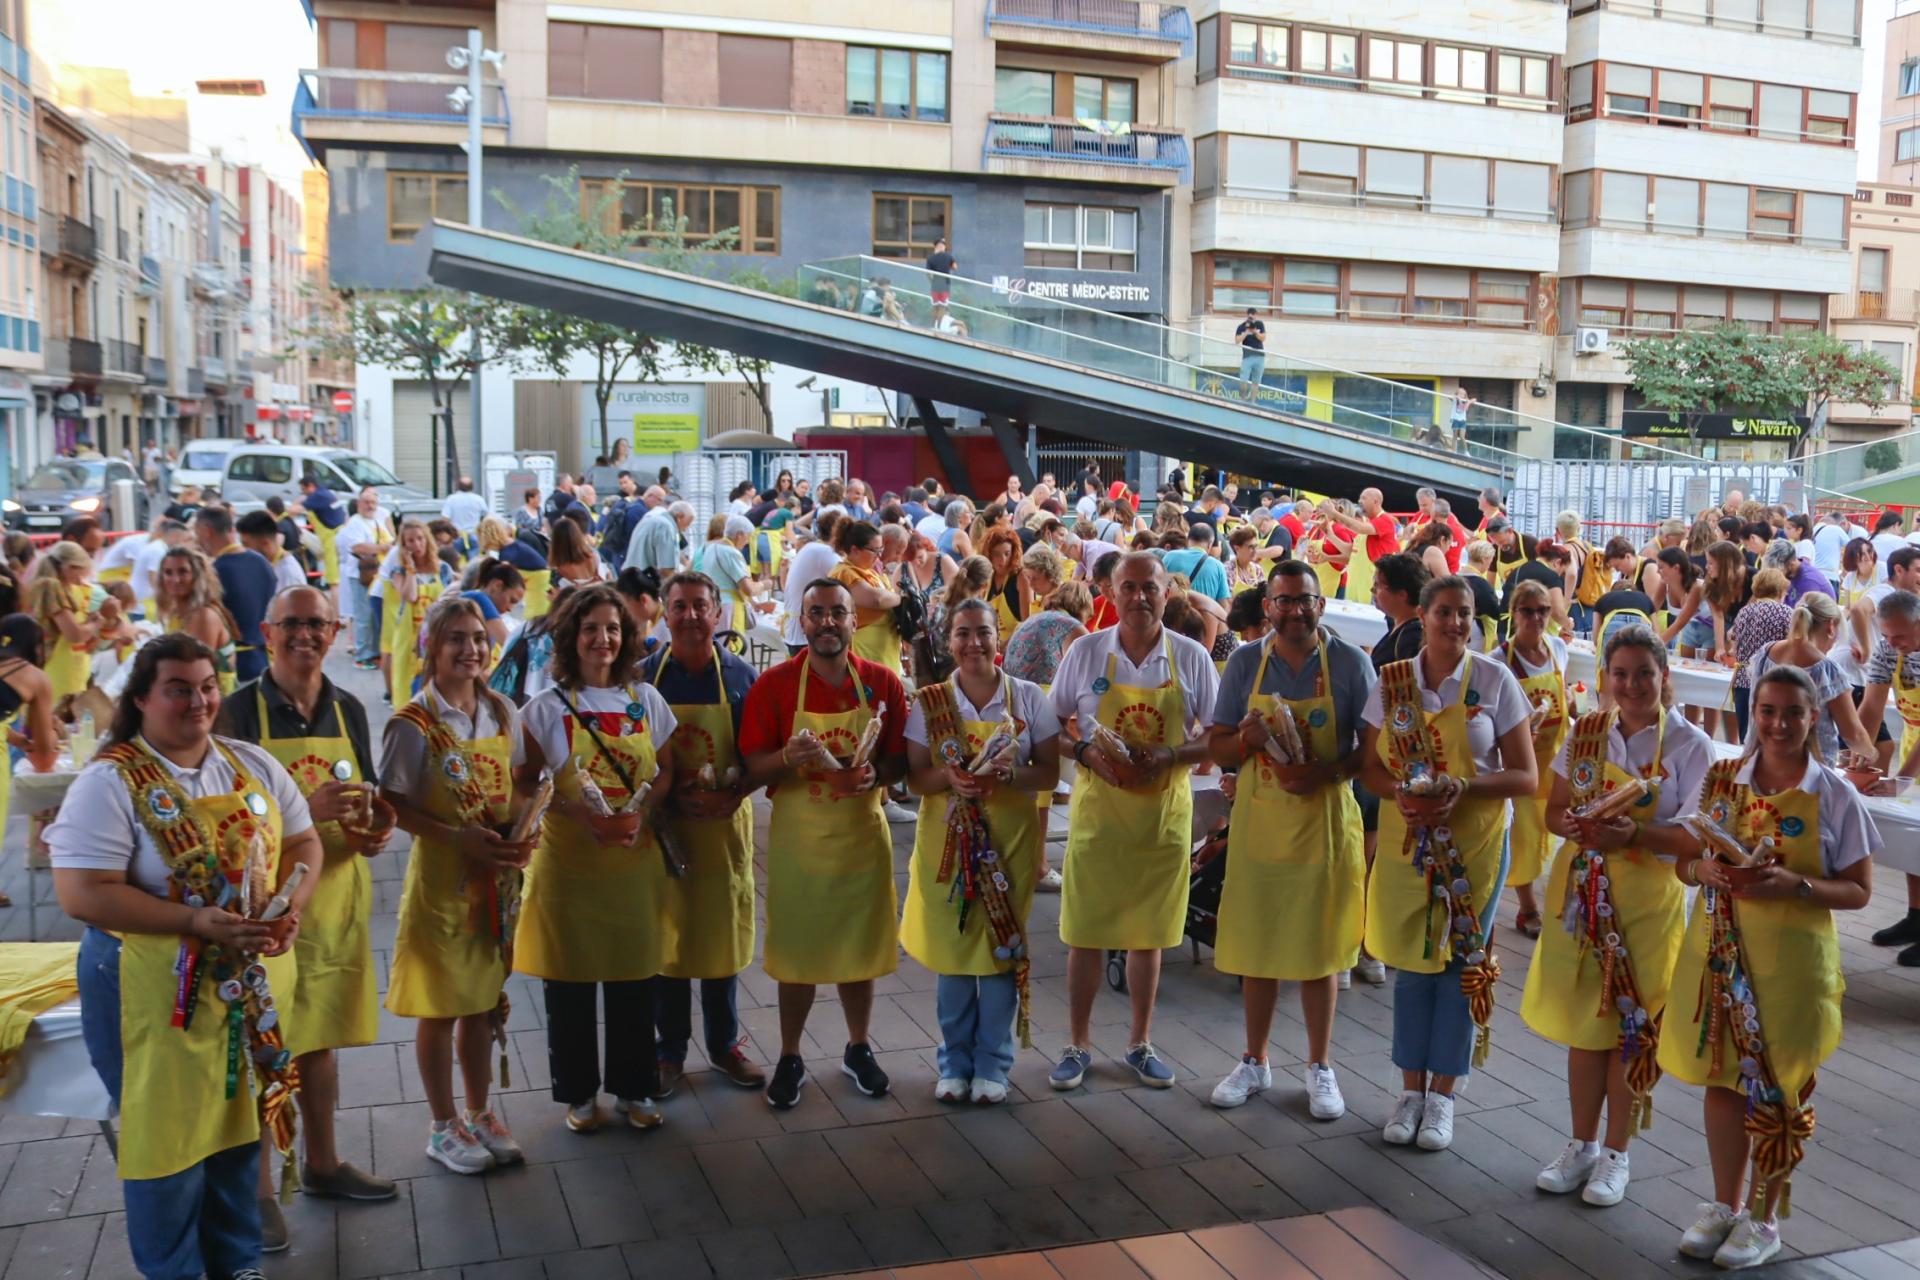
(817,614)
(1534,611)
(1294,602)
(315,625)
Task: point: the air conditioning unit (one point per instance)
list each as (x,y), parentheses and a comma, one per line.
(1589,342)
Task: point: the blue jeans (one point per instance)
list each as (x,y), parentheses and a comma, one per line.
(203,1220)
(673,1016)
(976,1025)
(1253,367)
(366,617)
(1432,1023)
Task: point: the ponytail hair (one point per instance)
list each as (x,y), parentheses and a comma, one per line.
(1816,609)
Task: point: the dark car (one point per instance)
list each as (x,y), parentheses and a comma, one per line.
(66,488)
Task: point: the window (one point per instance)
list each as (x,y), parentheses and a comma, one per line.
(1580,92)
(1501,298)
(1400,62)
(1772,214)
(1910,77)
(1780,112)
(1629,90)
(1799,312)
(1753,309)
(1312,287)
(1239,283)
(1521,190)
(1440,293)
(1676,206)
(1330,51)
(265,468)
(1704,308)
(1726,215)
(756,72)
(1828,116)
(1873,271)
(1378,290)
(1021,91)
(709,212)
(1459,186)
(1206,166)
(1101,98)
(1682,95)
(1603,302)
(1576,199)
(1396,177)
(415,199)
(899,84)
(1260,167)
(1523,76)
(1623,200)
(1822,219)
(907,226)
(1655,306)
(1081,237)
(1327,172)
(1462,70)
(1732,104)
(1206,50)
(1258,44)
(615,63)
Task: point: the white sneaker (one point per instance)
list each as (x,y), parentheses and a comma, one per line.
(1608,1185)
(584,1117)
(1048,883)
(1343,980)
(1323,1093)
(1569,1169)
(641,1113)
(1406,1118)
(950,1089)
(494,1135)
(1371,971)
(1704,1238)
(1750,1243)
(459,1149)
(988,1093)
(1436,1123)
(899,813)
(1248,1078)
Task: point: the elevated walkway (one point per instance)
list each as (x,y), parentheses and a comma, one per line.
(1104,382)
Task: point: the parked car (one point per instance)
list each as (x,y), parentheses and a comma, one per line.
(203,463)
(66,488)
(261,471)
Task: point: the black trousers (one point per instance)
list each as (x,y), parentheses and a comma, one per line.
(573,1040)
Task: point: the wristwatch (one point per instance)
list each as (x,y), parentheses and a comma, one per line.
(1806,888)
(1079,752)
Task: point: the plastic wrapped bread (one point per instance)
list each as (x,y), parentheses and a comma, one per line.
(1111,744)
(813,752)
(1285,745)
(1614,803)
(1721,845)
(869,738)
(536,808)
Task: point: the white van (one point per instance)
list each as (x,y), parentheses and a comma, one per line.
(203,463)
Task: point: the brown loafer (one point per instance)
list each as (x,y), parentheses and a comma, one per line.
(736,1068)
(346,1183)
(671,1074)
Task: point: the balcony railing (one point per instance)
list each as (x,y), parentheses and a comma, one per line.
(1145,18)
(123,357)
(211,278)
(1737,15)
(69,236)
(347,93)
(215,369)
(1086,142)
(1900,306)
(83,355)
(157,371)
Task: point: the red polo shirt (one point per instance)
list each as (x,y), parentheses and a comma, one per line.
(766,719)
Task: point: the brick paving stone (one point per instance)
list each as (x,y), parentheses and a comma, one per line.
(968,1227)
(452,1222)
(818,1246)
(42,1182)
(1039,1217)
(1246,1252)
(1103,1261)
(679,1258)
(378,1239)
(748,1189)
(587,1264)
(1327,1250)
(896,1237)
(1181,1202)
(1109,1207)
(1317,1188)
(674,1193)
(61,1250)
(529,1212)
(1140,1137)
(1245,1190)
(814,1175)
(1020,1158)
(948,1160)
(748,1253)
(1366,1164)
(600,1197)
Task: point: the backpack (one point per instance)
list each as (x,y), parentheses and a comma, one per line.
(1593,574)
(533,647)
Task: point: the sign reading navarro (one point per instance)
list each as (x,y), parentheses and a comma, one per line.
(1710,426)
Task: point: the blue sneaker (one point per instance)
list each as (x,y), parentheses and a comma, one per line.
(1146,1064)
(1071,1069)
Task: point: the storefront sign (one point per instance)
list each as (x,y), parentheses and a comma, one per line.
(1654,423)
(656,418)
(1117,294)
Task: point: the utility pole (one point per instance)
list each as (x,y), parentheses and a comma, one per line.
(473,58)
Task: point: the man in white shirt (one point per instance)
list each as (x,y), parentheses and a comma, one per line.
(1887,539)
(814,560)
(464,507)
(363,539)
(1829,542)
(146,563)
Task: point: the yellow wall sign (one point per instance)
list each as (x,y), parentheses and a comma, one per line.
(665,432)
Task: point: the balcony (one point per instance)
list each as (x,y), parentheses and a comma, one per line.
(1052,147)
(196,381)
(156,369)
(1136,30)
(1898,306)
(123,360)
(211,280)
(83,356)
(214,370)
(149,276)
(70,238)
(347,105)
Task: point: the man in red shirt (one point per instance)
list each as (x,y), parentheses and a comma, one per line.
(832,915)
(1292,519)
(1432,508)
(1382,534)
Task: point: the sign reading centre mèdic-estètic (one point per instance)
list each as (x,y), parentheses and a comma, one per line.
(1710,426)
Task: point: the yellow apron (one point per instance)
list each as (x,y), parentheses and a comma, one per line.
(1791,951)
(878,640)
(1532,843)
(1003,611)
(446,963)
(68,668)
(1293,905)
(1562,1000)
(929,928)
(1253,577)
(1360,571)
(400,630)
(1906,699)
(1330,577)
(172,1112)
(592,912)
(338,1001)
(1397,897)
(832,911)
(329,552)
(1129,853)
(539,593)
(713,902)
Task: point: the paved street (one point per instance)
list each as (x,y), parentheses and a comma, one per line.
(842,1183)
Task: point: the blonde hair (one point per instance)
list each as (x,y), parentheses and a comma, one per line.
(717,526)
(206,594)
(975,576)
(407,562)
(1075,599)
(1045,561)
(1769,584)
(46,591)
(1567,525)
(1816,609)
(1479,554)
(495,533)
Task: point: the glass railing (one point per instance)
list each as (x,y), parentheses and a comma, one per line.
(1855,464)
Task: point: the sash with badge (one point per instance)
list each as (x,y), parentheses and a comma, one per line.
(235,876)
(969,861)
(1450,905)
(1589,914)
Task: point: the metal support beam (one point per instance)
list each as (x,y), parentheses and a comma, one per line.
(953,470)
(1013,449)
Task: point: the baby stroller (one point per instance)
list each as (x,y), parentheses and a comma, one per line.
(1208,876)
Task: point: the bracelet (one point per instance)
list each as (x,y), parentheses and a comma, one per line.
(1079,752)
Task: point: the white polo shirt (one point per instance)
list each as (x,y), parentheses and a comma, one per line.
(1086,661)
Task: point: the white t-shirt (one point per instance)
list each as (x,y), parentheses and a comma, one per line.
(97,830)
(1088,507)
(1556,657)
(1502,704)
(543,721)
(287,573)
(146,569)
(931,527)
(1885,544)
(1847,830)
(1684,758)
(815,560)
(122,553)
(1038,720)
(1829,542)
(1086,661)
(403,751)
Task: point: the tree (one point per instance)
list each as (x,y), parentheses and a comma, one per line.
(1881,457)
(1729,369)
(419,333)
(551,340)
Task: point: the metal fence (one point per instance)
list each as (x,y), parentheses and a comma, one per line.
(1644,493)
(813,466)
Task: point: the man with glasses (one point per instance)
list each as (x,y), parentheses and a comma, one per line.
(832,913)
(319,732)
(1292,907)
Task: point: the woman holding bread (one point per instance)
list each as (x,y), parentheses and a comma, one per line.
(1449,742)
(593,920)
(1539,662)
(1598,982)
(1761,948)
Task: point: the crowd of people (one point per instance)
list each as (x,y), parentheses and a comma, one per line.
(576,741)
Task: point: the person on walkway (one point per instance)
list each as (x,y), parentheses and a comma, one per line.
(447,767)
(978,851)
(1766,948)
(832,913)
(1251,334)
(1449,743)
(328,517)
(415,581)
(876,637)
(1577,979)
(594,911)
(712,905)
(1130,825)
(318,733)
(1292,907)
(191,601)
(940,267)
(162,816)
(247,583)
(1539,662)
(366,535)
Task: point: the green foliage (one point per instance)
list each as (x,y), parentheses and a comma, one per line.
(1882,456)
(1728,369)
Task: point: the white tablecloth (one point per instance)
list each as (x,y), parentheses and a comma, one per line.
(1897,817)
(52,1074)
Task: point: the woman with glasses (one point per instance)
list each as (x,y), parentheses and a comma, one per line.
(876,636)
(1539,662)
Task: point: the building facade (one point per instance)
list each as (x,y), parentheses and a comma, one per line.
(69,249)
(21,354)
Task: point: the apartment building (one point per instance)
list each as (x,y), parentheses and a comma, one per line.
(20,285)
(1880,311)
(69,246)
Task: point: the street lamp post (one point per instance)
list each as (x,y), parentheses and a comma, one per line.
(472,58)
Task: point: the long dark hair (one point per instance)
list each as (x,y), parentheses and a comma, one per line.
(1681,562)
(23,638)
(175,646)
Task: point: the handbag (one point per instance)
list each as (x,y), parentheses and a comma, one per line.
(910,615)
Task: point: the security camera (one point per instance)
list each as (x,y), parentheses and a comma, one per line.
(805,384)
